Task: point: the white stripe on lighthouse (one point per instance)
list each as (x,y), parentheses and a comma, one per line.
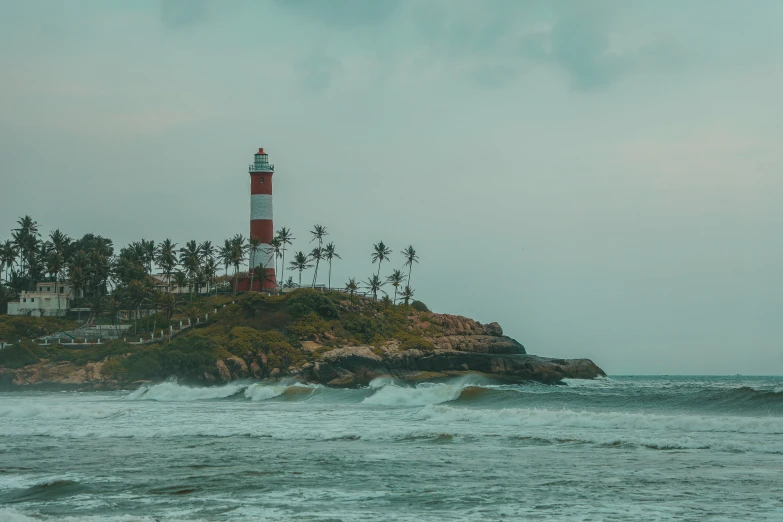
(262,258)
(261,206)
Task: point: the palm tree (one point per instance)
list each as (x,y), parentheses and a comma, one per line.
(77,275)
(286,237)
(374,285)
(329,254)
(380,254)
(255,243)
(396,279)
(167,259)
(351,287)
(26,239)
(55,264)
(274,250)
(316,255)
(56,261)
(238,254)
(206,250)
(210,271)
(225,254)
(190,259)
(407,295)
(301,262)
(181,280)
(7,256)
(147,254)
(410,258)
(318,232)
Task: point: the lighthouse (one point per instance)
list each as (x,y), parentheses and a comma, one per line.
(261,217)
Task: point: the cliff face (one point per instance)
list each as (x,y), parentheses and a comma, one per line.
(464,347)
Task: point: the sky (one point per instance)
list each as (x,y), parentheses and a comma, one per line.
(602,178)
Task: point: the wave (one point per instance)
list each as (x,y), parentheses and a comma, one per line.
(12,515)
(170,391)
(388,393)
(30,409)
(538,418)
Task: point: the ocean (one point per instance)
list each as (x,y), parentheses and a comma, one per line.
(621,448)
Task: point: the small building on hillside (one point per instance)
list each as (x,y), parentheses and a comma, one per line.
(48,299)
(161,283)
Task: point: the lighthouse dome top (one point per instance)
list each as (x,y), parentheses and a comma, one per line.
(261,162)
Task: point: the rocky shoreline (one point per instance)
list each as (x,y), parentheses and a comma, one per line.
(465,347)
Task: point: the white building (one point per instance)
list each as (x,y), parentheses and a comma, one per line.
(44,300)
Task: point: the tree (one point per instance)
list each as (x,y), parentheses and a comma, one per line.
(410,257)
(380,254)
(374,285)
(226,255)
(286,237)
(147,254)
(318,232)
(396,279)
(301,262)
(329,254)
(57,257)
(190,259)
(238,254)
(181,280)
(255,244)
(7,257)
(407,295)
(77,274)
(167,259)
(351,287)
(316,255)
(274,250)
(210,270)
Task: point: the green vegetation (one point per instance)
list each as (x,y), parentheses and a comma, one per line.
(14,328)
(256,330)
(262,331)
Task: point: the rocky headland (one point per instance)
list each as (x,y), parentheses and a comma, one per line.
(306,336)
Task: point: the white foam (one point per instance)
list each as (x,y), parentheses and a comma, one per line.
(422,395)
(534,417)
(28,409)
(171,391)
(260,392)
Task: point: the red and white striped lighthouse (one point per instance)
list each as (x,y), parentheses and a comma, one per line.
(261,215)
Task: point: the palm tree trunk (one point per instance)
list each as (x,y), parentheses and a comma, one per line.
(252,268)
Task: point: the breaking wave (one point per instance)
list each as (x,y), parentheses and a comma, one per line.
(170,391)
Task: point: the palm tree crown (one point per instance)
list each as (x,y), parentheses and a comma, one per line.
(380,254)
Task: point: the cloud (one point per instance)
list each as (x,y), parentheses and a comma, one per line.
(182,13)
(348,13)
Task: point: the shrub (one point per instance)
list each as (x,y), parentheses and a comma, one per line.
(303,302)
(414,342)
(419,306)
(308,326)
(18,355)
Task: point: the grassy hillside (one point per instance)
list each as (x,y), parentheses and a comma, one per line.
(267,331)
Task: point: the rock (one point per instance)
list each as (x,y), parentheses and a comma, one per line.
(223,370)
(493,329)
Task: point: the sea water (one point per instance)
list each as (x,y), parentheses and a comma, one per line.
(621,448)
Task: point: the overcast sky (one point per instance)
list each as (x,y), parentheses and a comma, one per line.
(603,178)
